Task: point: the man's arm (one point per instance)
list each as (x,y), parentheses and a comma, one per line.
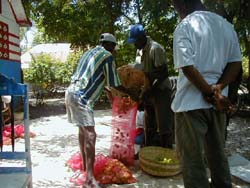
(194,76)
(212,94)
(230,74)
(127,91)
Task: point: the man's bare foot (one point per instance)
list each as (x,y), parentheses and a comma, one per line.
(91,184)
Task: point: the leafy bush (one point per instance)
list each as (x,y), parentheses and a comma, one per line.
(47,75)
(245,67)
(41,72)
(65,70)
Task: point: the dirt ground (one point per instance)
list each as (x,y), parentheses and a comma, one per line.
(56,141)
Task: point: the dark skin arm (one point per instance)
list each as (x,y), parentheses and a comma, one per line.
(121,89)
(194,76)
(229,75)
(125,103)
(212,94)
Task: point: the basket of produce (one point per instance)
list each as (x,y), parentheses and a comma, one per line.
(159,161)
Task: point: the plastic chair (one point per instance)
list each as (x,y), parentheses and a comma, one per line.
(15,176)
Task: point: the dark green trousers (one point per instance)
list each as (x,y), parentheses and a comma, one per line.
(159,119)
(200,141)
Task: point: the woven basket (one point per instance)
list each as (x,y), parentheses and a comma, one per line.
(148,161)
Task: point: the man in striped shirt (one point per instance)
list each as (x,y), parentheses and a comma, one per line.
(95,70)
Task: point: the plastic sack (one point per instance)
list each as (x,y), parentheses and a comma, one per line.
(75,162)
(106,170)
(100,162)
(123,129)
(18,131)
(115,172)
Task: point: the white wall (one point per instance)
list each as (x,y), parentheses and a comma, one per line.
(14,37)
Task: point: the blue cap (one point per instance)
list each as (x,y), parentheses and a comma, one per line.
(136,31)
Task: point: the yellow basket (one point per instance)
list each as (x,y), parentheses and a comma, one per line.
(151,163)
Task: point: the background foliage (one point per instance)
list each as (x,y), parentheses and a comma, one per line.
(80,23)
(47,75)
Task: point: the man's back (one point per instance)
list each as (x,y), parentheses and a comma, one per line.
(95,69)
(88,65)
(208,43)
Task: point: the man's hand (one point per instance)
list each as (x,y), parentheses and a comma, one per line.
(109,94)
(223,104)
(220,102)
(131,92)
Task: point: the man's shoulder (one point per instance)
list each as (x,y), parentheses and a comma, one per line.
(100,51)
(199,17)
(181,27)
(156,46)
(206,15)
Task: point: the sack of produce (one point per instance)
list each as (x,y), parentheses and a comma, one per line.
(106,170)
(112,171)
(131,78)
(123,130)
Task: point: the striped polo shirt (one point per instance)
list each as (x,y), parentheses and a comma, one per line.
(95,70)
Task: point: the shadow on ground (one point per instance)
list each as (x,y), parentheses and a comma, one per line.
(53,107)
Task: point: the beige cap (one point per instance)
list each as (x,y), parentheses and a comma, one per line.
(107,37)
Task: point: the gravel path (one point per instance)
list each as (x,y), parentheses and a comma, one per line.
(239,137)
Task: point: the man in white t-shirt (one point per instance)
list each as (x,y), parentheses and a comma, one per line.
(208,57)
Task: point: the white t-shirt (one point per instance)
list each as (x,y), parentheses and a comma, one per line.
(140,119)
(208,42)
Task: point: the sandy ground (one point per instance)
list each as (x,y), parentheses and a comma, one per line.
(56,141)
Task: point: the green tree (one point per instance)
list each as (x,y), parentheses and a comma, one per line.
(48,74)
(41,73)
(66,69)
(77,22)
(80,22)
(41,37)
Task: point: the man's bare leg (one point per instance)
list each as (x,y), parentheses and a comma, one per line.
(81,139)
(89,149)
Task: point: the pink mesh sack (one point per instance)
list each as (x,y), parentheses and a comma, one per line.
(75,162)
(123,129)
(106,170)
(100,162)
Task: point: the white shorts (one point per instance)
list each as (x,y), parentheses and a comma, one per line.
(78,113)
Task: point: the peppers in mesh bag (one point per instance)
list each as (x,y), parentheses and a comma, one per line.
(106,170)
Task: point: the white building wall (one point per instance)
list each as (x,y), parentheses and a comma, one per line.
(8,18)
(6,11)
